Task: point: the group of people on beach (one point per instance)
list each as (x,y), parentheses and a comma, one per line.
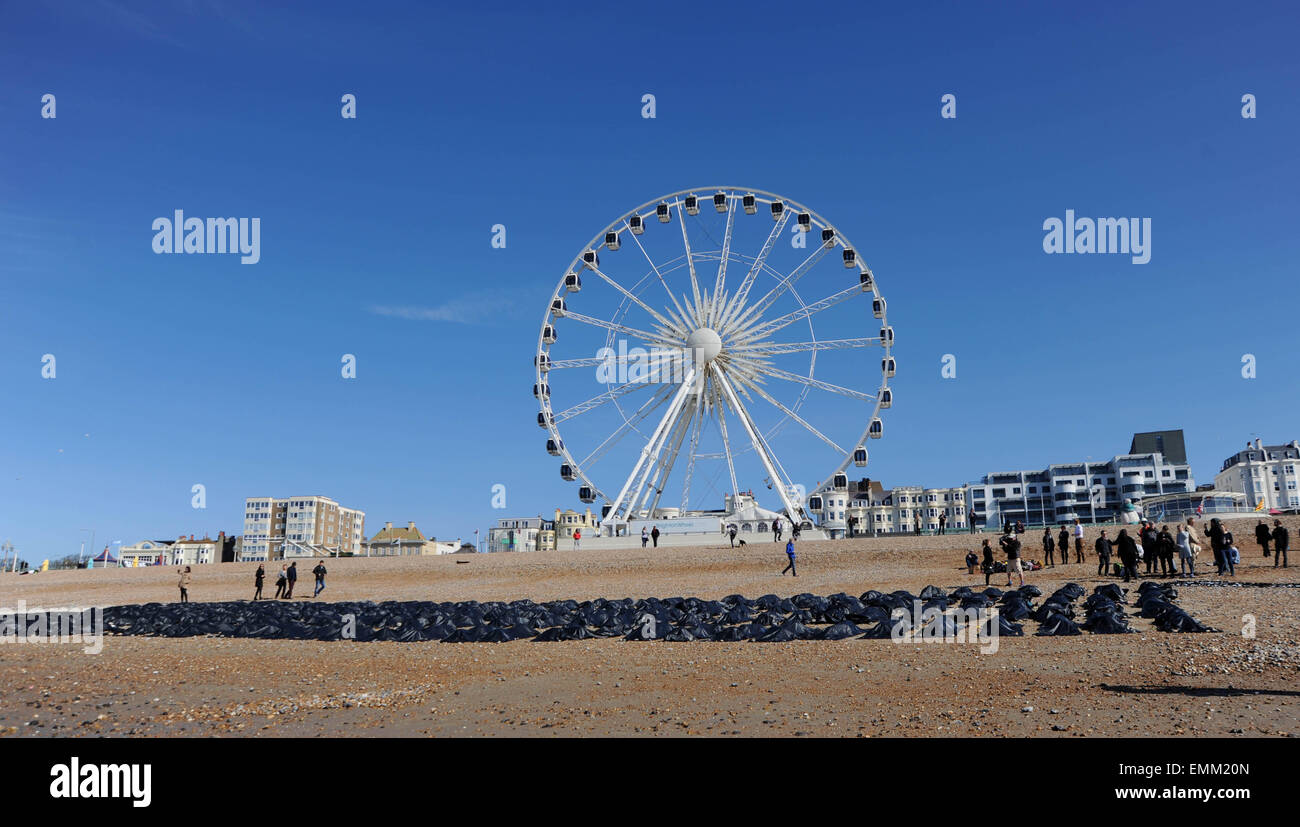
(1157,547)
(284,583)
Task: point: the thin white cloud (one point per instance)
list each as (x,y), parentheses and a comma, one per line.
(471,308)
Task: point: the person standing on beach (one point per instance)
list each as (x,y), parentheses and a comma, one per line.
(292,574)
(732,534)
(789,552)
(319,571)
(1215,533)
(918,522)
(1262,536)
(1063,542)
(645,537)
(654,536)
(281,582)
(1150,545)
(1011,546)
(776,530)
(987,564)
(1049,547)
(1165,542)
(1078,540)
(1184,541)
(1281,541)
(184,584)
(258,578)
(577,538)
(1128,554)
(972,560)
(1103,547)
(943,522)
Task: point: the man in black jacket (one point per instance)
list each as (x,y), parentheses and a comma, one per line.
(1103,546)
(319,571)
(1281,540)
(1150,546)
(1262,536)
(1215,533)
(1128,554)
(1049,547)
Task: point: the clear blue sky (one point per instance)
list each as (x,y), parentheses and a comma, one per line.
(176,370)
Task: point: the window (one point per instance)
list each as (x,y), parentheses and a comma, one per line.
(1015,490)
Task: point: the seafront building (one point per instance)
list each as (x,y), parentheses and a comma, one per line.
(315,526)
(865,508)
(1093,492)
(405,542)
(1265,474)
(522,534)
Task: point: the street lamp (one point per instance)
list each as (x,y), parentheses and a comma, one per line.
(81,558)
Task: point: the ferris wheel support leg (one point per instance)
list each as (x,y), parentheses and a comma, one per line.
(654,468)
(778,481)
(666,467)
(669,416)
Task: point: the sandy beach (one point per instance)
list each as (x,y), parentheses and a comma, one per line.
(1146,684)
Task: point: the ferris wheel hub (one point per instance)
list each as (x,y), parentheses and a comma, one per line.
(705,344)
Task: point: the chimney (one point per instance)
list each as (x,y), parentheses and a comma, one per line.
(389,525)
(191,536)
(411,525)
(1258,447)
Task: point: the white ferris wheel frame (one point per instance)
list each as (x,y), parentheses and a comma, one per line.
(652,469)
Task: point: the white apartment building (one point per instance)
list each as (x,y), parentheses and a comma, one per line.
(1265,474)
(276,529)
(865,508)
(523,534)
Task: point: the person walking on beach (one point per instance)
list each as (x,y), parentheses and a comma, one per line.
(577,538)
(654,536)
(1262,536)
(917,522)
(1078,540)
(292,574)
(1231,556)
(645,536)
(776,530)
(1011,546)
(1049,547)
(1281,541)
(1063,543)
(281,582)
(1128,554)
(943,522)
(184,584)
(258,577)
(1184,542)
(319,571)
(732,534)
(987,565)
(789,552)
(1103,548)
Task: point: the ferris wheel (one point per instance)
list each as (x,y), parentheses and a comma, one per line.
(678,357)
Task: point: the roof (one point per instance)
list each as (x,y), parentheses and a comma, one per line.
(404,534)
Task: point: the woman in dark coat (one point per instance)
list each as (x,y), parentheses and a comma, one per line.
(987,565)
(257,581)
(1215,533)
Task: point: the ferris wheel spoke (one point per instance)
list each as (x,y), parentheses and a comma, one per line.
(650,338)
(633,298)
(767,328)
(803,347)
(692,454)
(768,397)
(817,383)
(690,264)
(756,312)
(601,399)
(654,268)
(629,425)
(716,304)
(726,445)
(736,302)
